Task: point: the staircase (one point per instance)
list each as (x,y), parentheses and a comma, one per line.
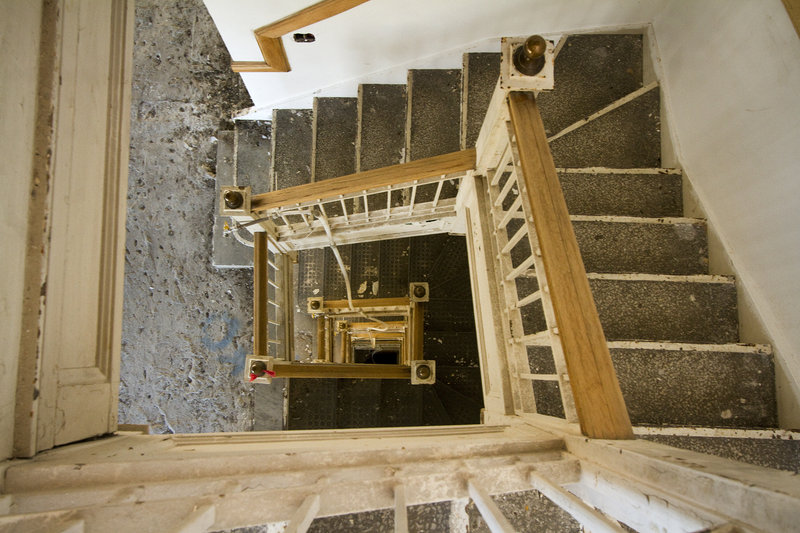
(672,327)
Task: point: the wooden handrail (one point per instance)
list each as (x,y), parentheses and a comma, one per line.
(598,398)
(285,369)
(439,165)
(269,36)
(260,294)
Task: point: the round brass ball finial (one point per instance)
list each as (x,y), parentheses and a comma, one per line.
(419,291)
(423,371)
(233,199)
(529,56)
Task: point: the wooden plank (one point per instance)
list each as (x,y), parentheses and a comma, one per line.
(341,370)
(273,52)
(598,398)
(793,9)
(369,302)
(453,162)
(260,294)
(306,17)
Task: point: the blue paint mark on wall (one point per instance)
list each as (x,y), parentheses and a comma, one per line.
(227,344)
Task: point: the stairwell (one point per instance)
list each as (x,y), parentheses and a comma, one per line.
(672,326)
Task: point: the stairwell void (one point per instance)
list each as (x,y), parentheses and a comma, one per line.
(672,327)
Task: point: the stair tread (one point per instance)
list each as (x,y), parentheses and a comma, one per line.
(291,147)
(434,113)
(591,72)
(382,126)
(627,137)
(678,311)
(480,73)
(672,248)
(254,138)
(225,251)
(607,193)
(334,138)
(672,386)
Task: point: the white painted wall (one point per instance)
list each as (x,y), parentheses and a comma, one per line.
(378,41)
(19,44)
(732,87)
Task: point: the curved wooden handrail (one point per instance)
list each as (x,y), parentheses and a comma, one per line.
(270,41)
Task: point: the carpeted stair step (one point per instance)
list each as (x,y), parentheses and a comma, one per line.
(291,147)
(333,151)
(670,384)
(651,246)
(666,308)
(780,450)
(479,77)
(381,139)
(645,193)
(334,138)
(434,113)
(433,122)
(251,141)
(253,158)
(225,251)
(633,245)
(627,137)
(591,72)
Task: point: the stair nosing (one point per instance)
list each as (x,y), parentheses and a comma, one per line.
(623,219)
(611,170)
(731,347)
(673,278)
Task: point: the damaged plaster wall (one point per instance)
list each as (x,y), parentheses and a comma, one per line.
(186,326)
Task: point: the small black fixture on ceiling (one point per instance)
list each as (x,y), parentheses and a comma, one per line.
(304,38)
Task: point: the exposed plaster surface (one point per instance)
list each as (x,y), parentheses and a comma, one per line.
(19,36)
(187,326)
(735,116)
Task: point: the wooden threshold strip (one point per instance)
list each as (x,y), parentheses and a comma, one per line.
(364,181)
